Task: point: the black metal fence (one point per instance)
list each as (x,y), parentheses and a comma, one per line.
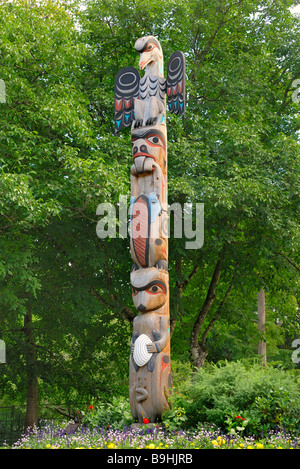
(12,421)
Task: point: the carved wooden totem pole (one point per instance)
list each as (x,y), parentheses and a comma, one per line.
(141,104)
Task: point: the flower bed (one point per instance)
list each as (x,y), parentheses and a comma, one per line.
(54,437)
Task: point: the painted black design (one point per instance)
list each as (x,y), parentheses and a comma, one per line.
(156,334)
(127,84)
(151,363)
(176,83)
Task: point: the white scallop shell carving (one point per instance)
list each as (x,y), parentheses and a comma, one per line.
(141,355)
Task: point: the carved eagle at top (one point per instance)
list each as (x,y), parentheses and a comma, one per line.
(141,101)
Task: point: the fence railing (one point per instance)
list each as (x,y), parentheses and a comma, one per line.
(12,419)
(11,424)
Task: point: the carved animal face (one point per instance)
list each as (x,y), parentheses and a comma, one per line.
(150,50)
(149,288)
(150,144)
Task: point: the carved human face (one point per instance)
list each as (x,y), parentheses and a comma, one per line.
(149,144)
(149,288)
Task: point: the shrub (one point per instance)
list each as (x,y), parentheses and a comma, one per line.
(268,398)
(114,415)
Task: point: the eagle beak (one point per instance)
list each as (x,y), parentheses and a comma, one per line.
(144,60)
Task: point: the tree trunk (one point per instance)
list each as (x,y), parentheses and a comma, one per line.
(199,355)
(261,310)
(31,417)
(198,349)
(199,352)
(178,293)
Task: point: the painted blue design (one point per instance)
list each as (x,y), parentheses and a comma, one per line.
(160,68)
(181,105)
(132,200)
(118,123)
(162,119)
(155,207)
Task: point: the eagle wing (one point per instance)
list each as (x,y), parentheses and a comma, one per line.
(127,84)
(176,83)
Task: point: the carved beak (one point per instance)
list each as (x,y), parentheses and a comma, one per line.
(144,60)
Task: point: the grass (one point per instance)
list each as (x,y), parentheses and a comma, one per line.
(52,436)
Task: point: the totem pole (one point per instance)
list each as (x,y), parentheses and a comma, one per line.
(140,102)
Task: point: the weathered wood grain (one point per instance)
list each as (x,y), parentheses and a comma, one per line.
(141,103)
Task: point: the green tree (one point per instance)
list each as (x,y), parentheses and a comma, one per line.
(237,149)
(53,175)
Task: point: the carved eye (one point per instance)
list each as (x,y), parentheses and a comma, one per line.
(156,289)
(134,292)
(155,141)
(150,47)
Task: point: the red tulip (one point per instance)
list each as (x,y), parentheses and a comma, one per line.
(145,420)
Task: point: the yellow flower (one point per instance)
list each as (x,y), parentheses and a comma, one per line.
(249,447)
(220,440)
(279,447)
(48,446)
(259,446)
(242,445)
(166,446)
(215,443)
(111,446)
(151,446)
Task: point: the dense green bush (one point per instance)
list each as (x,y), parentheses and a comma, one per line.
(114,415)
(237,396)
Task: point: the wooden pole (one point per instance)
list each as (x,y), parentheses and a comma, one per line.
(261,310)
(141,104)
(31,417)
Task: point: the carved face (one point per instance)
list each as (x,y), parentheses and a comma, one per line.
(150,144)
(149,289)
(150,50)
